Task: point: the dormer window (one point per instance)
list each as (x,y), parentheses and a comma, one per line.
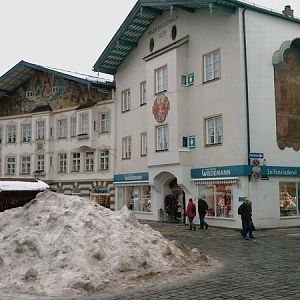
(29,95)
(56,90)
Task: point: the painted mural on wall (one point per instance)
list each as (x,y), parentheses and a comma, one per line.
(161,108)
(287,94)
(52,91)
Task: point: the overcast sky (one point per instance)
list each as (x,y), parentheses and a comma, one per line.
(69,34)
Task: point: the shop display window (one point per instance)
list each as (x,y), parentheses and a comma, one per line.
(289,195)
(219,199)
(135,198)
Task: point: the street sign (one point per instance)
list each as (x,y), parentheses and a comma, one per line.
(192,141)
(256,155)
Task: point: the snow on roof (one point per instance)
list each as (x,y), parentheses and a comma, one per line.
(22,185)
(90,78)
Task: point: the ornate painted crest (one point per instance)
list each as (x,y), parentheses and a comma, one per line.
(161,108)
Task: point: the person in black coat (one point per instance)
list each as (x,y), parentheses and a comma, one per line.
(202,210)
(245,211)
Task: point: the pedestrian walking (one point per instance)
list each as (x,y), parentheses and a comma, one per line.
(202,211)
(191,213)
(245,211)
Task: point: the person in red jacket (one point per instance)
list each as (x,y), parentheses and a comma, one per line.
(191,213)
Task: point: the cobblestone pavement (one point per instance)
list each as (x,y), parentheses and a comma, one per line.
(265,268)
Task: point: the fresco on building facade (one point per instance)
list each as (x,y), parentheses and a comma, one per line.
(287,94)
(51,90)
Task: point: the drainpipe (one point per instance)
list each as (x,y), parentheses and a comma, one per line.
(246,86)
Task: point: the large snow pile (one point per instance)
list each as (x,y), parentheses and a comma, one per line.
(63,245)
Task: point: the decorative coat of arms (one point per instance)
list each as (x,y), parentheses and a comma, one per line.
(161,108)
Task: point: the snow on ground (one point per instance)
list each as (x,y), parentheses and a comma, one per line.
(66,245)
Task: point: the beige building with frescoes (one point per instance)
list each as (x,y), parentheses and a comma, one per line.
(200,113)
(58,126)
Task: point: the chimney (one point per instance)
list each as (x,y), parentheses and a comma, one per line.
(288,11)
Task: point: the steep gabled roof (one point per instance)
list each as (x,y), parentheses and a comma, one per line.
(23,71)
(143,14)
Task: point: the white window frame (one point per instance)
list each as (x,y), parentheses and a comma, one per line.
(126,147)
(11,165)
(104,122)
(213,130)
(161,80)
(40,130)
(26,132)
(56,90)
(143,143)
(40,162)
(29,95)
(89,159)
(162,137)
(125,100)
(73,126)
(76,156)
(11,133)
(104,159)
(62,128)
(84,123)
(143,93)
(212,66)
(62,162)
(25,164)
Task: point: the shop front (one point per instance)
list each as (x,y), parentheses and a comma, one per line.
(286,181)
(221,187)
(134,192)
(101,195)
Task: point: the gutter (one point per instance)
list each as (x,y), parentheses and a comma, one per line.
(246,85)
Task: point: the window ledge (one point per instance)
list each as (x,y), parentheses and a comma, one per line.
(161,92)
(212,145)
(162,150)
(220,218)
(184,150)
(211,80)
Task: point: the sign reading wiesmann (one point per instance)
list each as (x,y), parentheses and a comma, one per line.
(280,171)
(229,171)
(131,177)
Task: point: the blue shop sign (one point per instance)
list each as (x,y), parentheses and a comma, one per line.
(229,171)
(280,171)
(131,177)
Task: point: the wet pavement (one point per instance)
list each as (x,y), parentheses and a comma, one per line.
(265,268)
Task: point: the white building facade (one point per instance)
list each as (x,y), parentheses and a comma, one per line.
(201,98)
(63,132)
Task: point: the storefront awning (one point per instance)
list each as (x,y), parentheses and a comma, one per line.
(222,180)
